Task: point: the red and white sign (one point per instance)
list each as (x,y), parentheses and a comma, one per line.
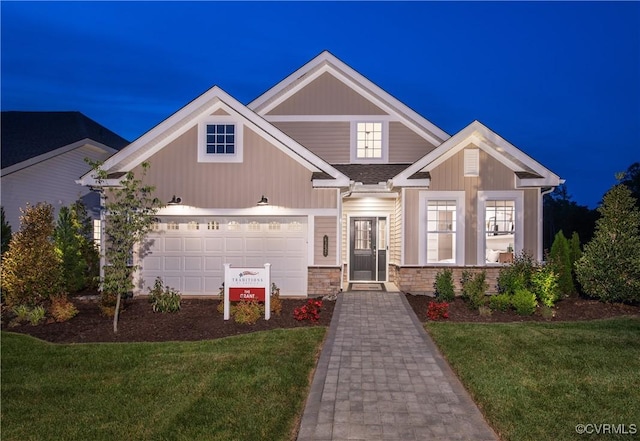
(252,284)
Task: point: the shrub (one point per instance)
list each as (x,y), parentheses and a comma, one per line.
(560,261)
(31,270)
(36,315)
(68,245)
(21,312)
(485,311)
(247,312)
(500,302)
(276,303)
(517,275)
(438,310)
(546,287)
(524,302)
(310,311)
(443,286)
(62,309)
(474,288)
(164,299)
(609,268)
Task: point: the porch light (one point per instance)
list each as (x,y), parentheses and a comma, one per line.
(263,201)
(174,200)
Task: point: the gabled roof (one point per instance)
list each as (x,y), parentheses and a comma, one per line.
(184,119)
(27,135)
(528,172)
(327,62)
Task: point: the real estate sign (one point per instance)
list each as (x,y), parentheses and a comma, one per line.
(247,284)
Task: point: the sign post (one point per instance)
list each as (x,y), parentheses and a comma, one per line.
(247,284)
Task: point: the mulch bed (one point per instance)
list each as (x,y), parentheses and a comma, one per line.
(198,319)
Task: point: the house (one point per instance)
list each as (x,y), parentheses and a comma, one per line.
(331,180)
(43,154)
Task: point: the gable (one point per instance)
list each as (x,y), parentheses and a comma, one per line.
(326,95)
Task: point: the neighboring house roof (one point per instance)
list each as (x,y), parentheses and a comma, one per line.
(184,119)
(327,62)
(27,135)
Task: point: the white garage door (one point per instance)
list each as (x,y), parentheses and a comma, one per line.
(189,254)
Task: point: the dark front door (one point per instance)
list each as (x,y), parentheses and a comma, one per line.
(364,235)
(368,245)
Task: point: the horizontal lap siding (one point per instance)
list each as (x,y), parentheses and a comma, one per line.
(405,145)
(329,140)
(265,171)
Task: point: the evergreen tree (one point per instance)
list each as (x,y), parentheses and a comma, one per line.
(5,234)
(88,247)
(69,243)
(560,258)
(609,268)
(31,269)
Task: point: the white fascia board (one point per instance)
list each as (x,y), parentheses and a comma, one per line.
(326,62)
(53,153)
(404,182)
(549,181)
(330,183)
(268,210)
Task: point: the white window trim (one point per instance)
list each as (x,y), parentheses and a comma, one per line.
(385,142)
(203,156)
(425,197)
(513,195)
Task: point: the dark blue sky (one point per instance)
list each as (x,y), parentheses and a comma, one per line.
(560,80)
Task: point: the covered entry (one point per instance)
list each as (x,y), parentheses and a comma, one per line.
(368,249)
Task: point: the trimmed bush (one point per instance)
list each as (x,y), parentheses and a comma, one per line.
(474,288)
(62,309)
(524,302)
(560,260)
(517,275)
(437,310)
(443,286)
(500,302)
(546,286)
(247,312)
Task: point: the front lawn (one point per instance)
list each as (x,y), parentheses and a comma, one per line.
(538,381)
(250,387)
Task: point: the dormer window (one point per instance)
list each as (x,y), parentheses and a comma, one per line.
(220,140)
(369,141)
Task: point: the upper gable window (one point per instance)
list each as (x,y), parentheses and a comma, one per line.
(220,140)
(369,141)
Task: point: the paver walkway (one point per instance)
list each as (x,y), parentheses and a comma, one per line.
(380,377)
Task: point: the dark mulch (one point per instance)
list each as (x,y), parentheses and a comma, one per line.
(570,309)
(198,319)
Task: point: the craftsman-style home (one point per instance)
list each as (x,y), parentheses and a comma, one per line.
(332,181)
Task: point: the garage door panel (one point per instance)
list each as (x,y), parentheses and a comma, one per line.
(152,263)
(234,244)
(193,244)
(192,263)
(172,244)
(276,244)
(214,244)
(213,263)
(172,263)
(254,244)
(174,282)
(193,284)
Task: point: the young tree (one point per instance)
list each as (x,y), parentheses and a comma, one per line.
(5,234)
(609,268)
(130,213)
(31,270)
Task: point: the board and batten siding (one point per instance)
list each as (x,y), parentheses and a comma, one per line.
(405,145)
(449,176)
(265,170)
(325,225)
(326,95)
(327,139)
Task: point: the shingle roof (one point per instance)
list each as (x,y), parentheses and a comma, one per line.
(25,135)
(371,174)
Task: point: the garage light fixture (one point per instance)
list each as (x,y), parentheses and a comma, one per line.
(263,201)
(174,200)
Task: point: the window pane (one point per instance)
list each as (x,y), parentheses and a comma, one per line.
(500,231)
(441,231)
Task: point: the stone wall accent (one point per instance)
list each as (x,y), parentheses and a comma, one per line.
(419,280)
(323,281)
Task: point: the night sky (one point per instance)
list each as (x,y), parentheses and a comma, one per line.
(559,80)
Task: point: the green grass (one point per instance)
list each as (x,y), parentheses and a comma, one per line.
(537,381)
(249,387)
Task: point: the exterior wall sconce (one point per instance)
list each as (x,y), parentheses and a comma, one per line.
(263,201)
(174,200)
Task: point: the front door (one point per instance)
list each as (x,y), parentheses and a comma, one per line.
(368,249)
